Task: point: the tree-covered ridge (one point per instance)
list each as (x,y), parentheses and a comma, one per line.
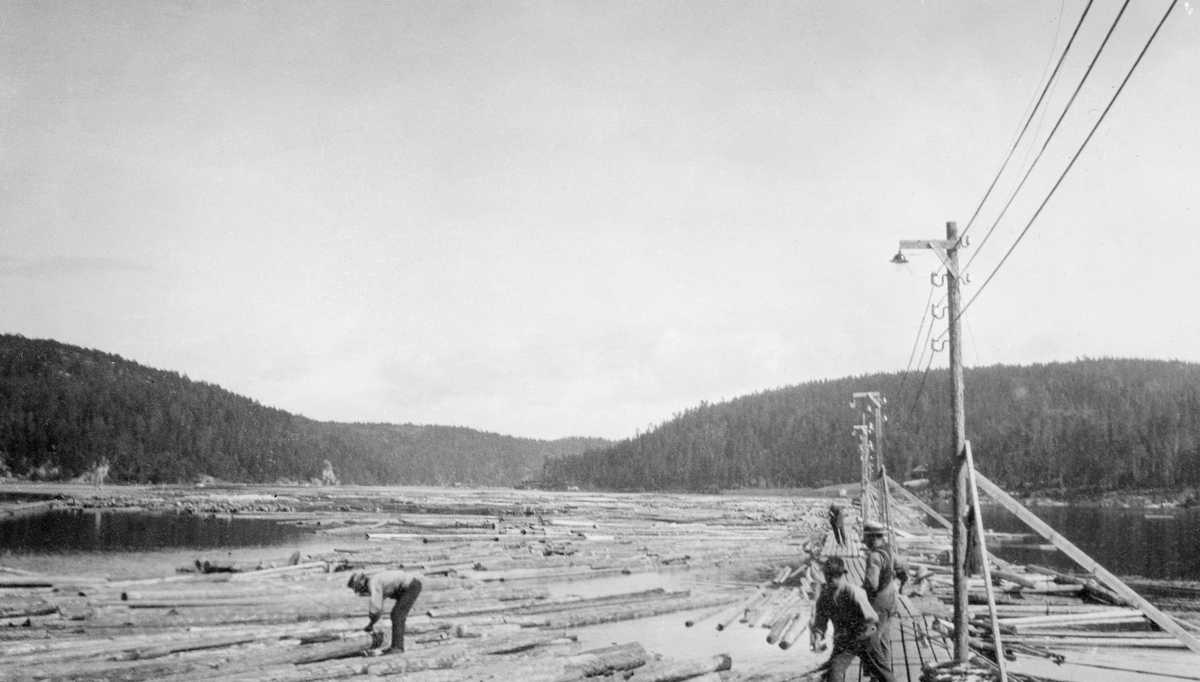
(64,409)
(1091,424)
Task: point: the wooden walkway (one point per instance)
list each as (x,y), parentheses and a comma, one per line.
(911,649)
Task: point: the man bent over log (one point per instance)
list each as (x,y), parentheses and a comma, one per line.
(855,627)
(403,586)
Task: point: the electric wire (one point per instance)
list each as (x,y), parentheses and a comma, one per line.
(1078,153)
(1046,87)
(971,333)
(925,376)
(916,342)
(1028,120)
(926,347)
(912,407)
(1046,143)
(1037,132)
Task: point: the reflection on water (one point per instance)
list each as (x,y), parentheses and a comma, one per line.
(1156,544)
(108,531)
(9,496)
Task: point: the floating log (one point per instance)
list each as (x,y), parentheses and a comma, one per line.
(350,646)
(26,611)
(195,645)
(1161,619)
(202,591)
(546,574)
(435,537)
(30,581)
(605,660)
(704,616)
(755,615)
(577,603)
(1022,580)
(794,631)
(781,626)
(271,572)
(783,607)
(622,612)
(678,671)
(1098,642)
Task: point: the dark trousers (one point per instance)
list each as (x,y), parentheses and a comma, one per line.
(884,635)
(839,533)
(875,664)
(404,602)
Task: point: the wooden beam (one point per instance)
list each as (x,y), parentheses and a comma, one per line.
(908,495)
(987,571)
(1087,563)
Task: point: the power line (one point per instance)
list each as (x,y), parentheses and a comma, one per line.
(1041,119)
(916,342)
(1077,153)
(1029,119)
(1063,115)
(921,389)
(924,377)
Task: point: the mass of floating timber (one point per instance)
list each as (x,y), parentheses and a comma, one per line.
(519,583)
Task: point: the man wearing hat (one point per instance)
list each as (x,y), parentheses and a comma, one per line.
(879,581)
(855,627)
(403,586)
(837,521)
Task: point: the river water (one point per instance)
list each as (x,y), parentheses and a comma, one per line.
(94,530)
(1151,543)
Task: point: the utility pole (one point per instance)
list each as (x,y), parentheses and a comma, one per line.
(871,448)
(867,500)
(948,252)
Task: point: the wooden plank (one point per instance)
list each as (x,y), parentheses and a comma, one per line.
(1080,557)
(919,502)
(983,554)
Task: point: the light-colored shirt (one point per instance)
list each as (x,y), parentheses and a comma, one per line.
(877,580)
(387,584)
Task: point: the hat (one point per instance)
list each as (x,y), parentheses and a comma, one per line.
(357,581)
(870,528)
(834,566)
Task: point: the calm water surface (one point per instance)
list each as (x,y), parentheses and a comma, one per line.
(1161,544)
(117,531)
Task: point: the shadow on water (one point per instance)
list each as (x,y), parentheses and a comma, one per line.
(125,531)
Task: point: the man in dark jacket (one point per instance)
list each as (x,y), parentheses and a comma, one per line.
(855,631)
(403,586)
(837,520)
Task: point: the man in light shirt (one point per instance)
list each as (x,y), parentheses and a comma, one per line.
(403,586)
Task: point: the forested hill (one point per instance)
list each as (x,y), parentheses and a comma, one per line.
(63,409)
(1088,425)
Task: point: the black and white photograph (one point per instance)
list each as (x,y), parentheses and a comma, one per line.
(613,340)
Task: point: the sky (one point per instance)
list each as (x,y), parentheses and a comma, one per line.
(579,218)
